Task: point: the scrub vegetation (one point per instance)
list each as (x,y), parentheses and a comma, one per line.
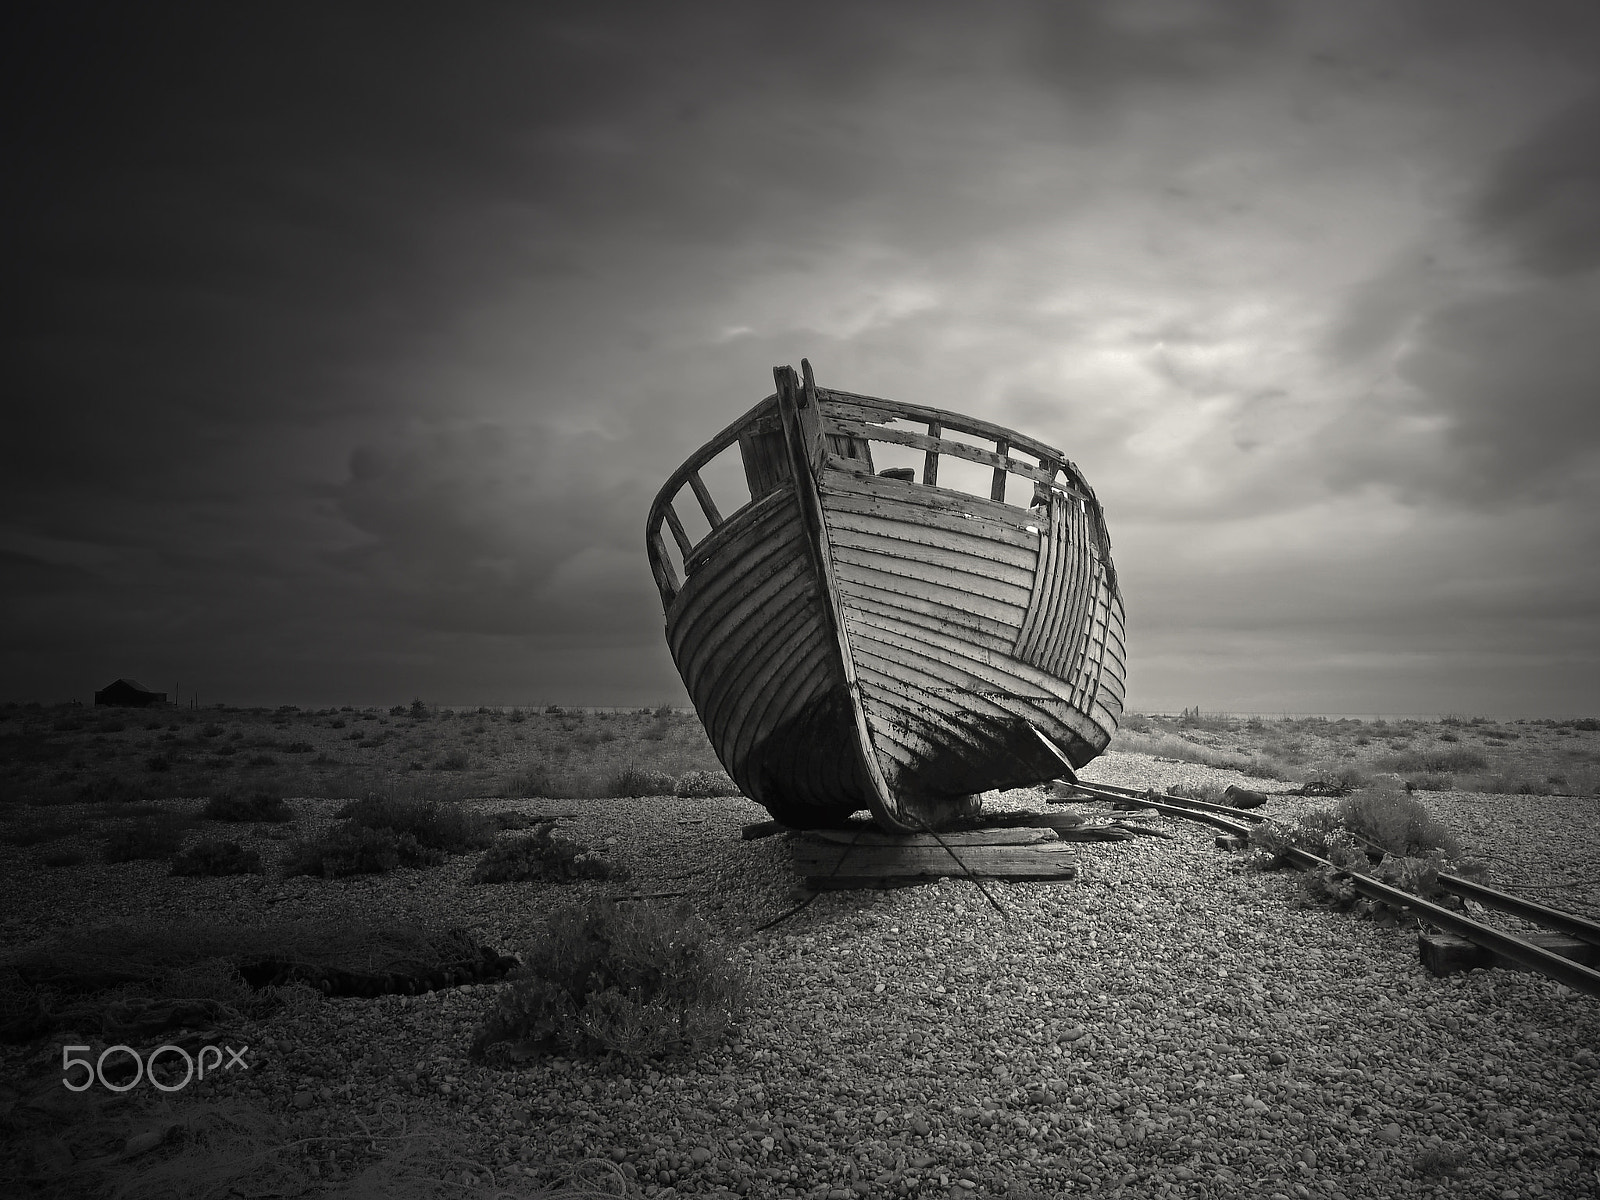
(1528,757)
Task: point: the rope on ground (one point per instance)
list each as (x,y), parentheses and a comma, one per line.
(784,916)
(995,904)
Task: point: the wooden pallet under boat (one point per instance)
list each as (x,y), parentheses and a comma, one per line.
(856,641)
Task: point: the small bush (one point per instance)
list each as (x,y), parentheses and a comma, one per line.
(455,760)
(1389,820)
(530,783)
(445,827)
(150,837)
(65,857)
(254,806)
(698,785)
(637,982)
(347,849)
(261,760)
(1442,761)
(112,790)
(1314,833)
(541,855)
(641,781)
(214,857)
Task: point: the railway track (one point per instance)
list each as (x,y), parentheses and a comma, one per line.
(1463,942)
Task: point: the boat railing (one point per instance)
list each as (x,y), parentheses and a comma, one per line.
(849,418)
(867,418)
(663,512)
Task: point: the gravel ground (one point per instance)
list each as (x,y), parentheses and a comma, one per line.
(1169,1024)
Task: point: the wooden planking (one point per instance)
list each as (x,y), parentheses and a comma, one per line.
(798,678)
(990,636)
(747,634)
(915,575)
(655,546)
(744,525)
(1020,835)
(905,661)
(742,548)
(943,594)
(843,479)
(1098,630)
(958,550)
(1072,568)
(827,866)
(771,673)
(729,587)
(1046,596)
(914,717)
(947,552)
(944,653)
(809,761)
(1064,654)
(857,509)
(903,697)
(988,617)
(725,630)
(766,461)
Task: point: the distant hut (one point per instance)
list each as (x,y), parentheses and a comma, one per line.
(126,693)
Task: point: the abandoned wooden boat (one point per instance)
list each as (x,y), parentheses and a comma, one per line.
(854,639)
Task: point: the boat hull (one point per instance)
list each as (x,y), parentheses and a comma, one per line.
(854,641)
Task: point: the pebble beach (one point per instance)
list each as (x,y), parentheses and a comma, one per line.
(1173,1022)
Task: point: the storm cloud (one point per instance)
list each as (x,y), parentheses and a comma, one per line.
(343,355)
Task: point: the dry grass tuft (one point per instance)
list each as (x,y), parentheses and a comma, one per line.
(634,981)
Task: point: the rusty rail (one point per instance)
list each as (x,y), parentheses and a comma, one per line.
(1508,946)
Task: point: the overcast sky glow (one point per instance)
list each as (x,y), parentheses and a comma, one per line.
(343,355)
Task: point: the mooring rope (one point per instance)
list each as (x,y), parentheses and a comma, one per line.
(950,850)
(784,916)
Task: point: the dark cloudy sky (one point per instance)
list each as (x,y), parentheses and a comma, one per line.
(345,346)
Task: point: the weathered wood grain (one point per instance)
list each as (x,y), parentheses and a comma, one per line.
(956,838)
